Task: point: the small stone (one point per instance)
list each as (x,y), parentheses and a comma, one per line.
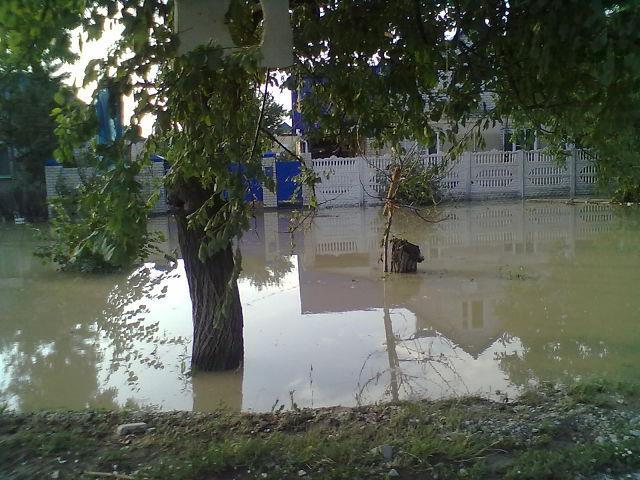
(301,473)
(55,475)
(393,473)
(131,428)
(635,433)
(387,452)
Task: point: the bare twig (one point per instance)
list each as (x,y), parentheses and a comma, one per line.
(282,145)
(259,124)
(119,476)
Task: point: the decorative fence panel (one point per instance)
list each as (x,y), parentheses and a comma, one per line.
(585,168)
(373,176)
(544,177)
(473,175)
(340,181)
(496,174)
(455,182)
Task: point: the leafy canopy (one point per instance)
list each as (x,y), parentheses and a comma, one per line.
(392,70)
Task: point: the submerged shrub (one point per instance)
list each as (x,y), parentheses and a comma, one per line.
(420,184)
(102,224)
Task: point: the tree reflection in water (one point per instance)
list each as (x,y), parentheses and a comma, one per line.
(265,273)
(54,350)
(131,338)
(412,366)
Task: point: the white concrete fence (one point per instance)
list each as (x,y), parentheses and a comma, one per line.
(361,181)
(473,176)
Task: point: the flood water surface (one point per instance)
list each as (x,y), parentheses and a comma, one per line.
(509,294)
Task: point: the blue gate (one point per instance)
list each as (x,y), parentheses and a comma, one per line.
(285,186)
(252,186)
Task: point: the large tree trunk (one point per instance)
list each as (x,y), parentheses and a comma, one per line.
(216,308)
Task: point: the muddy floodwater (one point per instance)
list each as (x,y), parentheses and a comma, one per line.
(509,294)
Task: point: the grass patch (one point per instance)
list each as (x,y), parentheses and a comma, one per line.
(564,463)
(551,433)
(602,392)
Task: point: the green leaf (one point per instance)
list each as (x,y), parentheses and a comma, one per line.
(59,98)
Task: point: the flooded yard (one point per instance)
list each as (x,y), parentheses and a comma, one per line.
(509,294)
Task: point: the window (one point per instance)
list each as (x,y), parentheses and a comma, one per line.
(507,146)
(5,163)
(434,147)
(518,140)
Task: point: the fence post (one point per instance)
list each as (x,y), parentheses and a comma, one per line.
(520,158)
(306,190)
(269,198)
(572,173)
(363,178)
(467,161)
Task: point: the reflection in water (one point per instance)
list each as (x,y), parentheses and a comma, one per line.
(509,294)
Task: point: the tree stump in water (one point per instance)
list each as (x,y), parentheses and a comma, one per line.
(405,256)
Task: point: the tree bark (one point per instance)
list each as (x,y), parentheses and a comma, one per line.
(405,256)
(218,342)
(389,206)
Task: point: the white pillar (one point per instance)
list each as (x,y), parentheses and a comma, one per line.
(467,162)
(269,198)
(521,170)
(573,174)
(306,190)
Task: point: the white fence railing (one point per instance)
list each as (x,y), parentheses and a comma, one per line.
(473,175)
(359,181)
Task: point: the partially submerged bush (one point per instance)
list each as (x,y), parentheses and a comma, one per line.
(420,184)
(102,225)
(627,192)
